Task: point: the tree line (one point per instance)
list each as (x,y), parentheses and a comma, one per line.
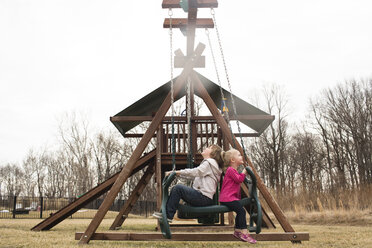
(326,161)
(328,154)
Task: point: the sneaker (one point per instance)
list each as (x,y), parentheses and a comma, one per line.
(247,238)
(237,234)
(159,215)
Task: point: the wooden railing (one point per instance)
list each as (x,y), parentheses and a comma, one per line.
(206,133)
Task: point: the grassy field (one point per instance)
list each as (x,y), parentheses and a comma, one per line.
(323,233)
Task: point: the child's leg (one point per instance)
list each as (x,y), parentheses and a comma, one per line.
(187,194)
(240,219)
(241,231)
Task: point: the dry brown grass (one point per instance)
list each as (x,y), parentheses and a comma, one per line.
(351,200)
(16,233)
(330,217)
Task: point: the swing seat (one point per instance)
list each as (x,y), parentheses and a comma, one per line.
(212,209)
(195,212)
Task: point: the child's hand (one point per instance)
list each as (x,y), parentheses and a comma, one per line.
(167,173)
(245,171)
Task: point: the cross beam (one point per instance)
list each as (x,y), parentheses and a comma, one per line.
(217,237)
(198,3)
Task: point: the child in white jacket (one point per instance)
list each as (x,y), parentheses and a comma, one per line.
(206,179)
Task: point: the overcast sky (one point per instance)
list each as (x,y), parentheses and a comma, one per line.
(99,56)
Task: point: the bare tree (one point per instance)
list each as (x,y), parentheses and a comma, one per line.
(13,177)
(75,140)
(269,151)
(29,165)
(107,153)
(343,116)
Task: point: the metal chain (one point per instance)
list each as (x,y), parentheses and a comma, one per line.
(218,78)
(228,80)
(170,13)
(188,112)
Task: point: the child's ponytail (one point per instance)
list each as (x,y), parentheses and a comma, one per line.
(216,155)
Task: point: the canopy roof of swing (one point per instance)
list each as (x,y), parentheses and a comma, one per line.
(253,117)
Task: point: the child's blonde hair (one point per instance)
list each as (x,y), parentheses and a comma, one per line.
(226,156)
(216,154)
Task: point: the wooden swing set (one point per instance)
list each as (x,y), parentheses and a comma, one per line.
(179,140)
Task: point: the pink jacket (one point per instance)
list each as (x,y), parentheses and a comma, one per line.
(230,190)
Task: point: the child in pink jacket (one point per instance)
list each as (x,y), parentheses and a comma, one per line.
(230,193)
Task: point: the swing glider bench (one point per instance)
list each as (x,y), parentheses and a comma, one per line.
(166,234)
(189,212)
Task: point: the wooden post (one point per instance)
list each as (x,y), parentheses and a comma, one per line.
(14,206)
(160,143)
(159,148)
(41,207)
(191,24)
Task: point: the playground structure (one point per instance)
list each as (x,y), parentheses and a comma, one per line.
(179,140)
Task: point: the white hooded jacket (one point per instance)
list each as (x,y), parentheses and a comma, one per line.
(206,177)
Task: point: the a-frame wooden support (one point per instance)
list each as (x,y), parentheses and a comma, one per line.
(233,141)
(89,196)
(125,172)
(124,211)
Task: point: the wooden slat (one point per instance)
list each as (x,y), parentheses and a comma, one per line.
(180,61)
(184,137)
(124,174)
(178,138)
(167,138)
(181,159)
(89,196)
(182,23)
(124,211)
(289,236)
(232,140)
(199,4)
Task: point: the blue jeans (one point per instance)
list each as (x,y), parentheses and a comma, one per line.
(189,195)
(240,219)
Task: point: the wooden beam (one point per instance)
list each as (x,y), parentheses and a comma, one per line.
(158,173)
(129,204)
(199,4)
(182,23)
(289,236)
(191,25)
(232,140)
(140,135)
(89,196)
(124,174)
(181,159)
(180,61)
(183,118)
